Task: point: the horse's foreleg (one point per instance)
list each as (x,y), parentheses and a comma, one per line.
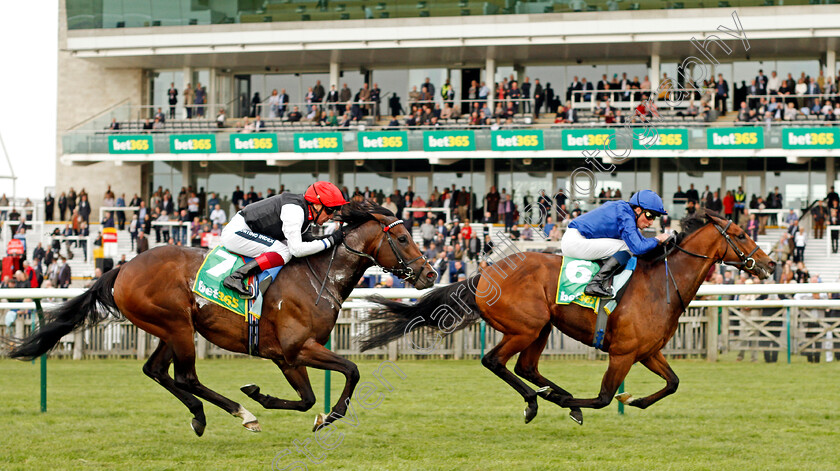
(157,368)
(526,367)
(496,360)
(299,380)
(616,372)
(186,378)
(659,365)
(317,356)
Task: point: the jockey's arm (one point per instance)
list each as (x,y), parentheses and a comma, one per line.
(292,216)
(636,242)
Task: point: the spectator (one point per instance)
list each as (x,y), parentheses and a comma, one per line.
(819,214)
(295,116)
(217,216)
(799,241)
(142,242)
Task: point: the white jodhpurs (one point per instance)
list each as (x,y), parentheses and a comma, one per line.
(575,245)
(239,238)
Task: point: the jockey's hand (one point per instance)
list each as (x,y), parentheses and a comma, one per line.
(336,237)
(662,237)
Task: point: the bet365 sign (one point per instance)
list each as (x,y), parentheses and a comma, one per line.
(383,141)
(127,144)
(318,142)
(811,138)
(735,138)
(192,144)
(442,141)
(253,142)
(517,140)
(587,139)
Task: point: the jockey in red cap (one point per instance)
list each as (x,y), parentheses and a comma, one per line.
(271,231)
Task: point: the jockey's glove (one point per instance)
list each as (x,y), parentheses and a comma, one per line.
(336,237)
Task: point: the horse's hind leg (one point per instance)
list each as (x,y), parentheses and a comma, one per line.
(299,380)
(496,360)
(157,368)
(526,367)
(186,378)
(659,365)
(616,372)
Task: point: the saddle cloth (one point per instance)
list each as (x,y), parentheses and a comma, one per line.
(575,274)
(217,265)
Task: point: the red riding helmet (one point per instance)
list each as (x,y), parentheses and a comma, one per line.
(324,193)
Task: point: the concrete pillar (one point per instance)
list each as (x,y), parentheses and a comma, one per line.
(655,176)
(653,72)
(78,344)
(830,172)
(201,348)
(490,80)
(711,334)
(333,171)
(187,79)
(489,173)
(831,64)
(212,96)
(335,74)
(458,344)
(392,351)
(141,344)
(186,174)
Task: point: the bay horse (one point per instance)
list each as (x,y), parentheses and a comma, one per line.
(525,310)
(154,292)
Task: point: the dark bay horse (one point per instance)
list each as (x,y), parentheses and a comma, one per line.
(525,310)
(154,291)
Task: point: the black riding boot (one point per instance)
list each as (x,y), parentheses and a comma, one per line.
(238,280)
(601,284)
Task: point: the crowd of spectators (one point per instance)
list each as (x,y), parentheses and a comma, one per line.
(769,99)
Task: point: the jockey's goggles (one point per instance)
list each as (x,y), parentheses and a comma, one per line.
(650,215)
(330,210)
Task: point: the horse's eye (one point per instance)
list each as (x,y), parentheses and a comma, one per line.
(402,239)
(742,236)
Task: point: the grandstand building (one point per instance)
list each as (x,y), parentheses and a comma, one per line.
(118,58)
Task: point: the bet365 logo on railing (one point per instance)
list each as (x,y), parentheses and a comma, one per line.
(591,139)
(735,138)
(811,138)
(192,143)
(517,140)
(318,142)
(388,141)
(130,145)
(437,141)
(665,138)
(259,142)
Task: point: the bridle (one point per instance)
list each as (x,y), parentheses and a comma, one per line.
(747,262)
(404,270)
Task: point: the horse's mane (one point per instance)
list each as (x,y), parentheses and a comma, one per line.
(356,213)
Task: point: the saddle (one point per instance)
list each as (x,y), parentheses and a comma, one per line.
(217,265)
(575,274)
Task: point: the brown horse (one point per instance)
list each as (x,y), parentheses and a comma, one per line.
(154,291)
(525,310)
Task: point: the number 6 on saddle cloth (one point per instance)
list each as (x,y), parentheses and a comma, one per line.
(575,274)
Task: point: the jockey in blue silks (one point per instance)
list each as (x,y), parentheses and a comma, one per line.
(614,231)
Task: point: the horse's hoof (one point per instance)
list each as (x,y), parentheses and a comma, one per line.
(530,411)
(577,416)
(253,426)
(250,390)
(320,420)
(625,397)
(198,426)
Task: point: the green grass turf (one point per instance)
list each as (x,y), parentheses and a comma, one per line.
(445,415)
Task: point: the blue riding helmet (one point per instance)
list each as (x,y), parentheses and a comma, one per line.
(649,201)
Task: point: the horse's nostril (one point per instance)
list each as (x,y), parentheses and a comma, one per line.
(431,275)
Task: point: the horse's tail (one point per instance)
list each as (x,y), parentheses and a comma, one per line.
(92,306)
(446,309)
